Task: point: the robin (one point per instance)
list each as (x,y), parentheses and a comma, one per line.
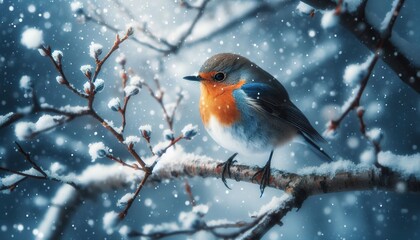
(246,110)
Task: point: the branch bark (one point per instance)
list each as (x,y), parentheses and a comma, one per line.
(177,165)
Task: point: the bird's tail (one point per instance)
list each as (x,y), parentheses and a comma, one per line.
(317,149)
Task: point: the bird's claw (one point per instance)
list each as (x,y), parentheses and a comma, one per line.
(265,173)
(226,168)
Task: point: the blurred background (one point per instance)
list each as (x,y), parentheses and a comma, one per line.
(307,59)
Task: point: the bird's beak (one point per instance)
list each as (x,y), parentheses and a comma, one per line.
(193,78)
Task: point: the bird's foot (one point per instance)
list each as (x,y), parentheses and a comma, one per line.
(265,174)
(226,168)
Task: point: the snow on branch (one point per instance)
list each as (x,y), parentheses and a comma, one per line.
(176,164)
(352,15)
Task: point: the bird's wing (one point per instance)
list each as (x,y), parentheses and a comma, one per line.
(273,100)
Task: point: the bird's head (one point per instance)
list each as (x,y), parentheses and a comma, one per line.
(223,69)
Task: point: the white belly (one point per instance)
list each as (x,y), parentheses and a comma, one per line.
(231,140)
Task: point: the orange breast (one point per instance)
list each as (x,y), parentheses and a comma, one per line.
(217,100)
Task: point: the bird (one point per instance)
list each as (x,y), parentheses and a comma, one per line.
(247,110)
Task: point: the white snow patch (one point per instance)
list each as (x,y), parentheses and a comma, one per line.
(349,101)
(124,231)
(218,222)
(354,73)
(121,59)
(111,124)
(131,140)
(57,168)
(124,199)
(388,16)
(64,195)
(368,157)
(276,202)
(160,148)
(13,178)
(47,121)
(329,19)
(60,79)
(24,130)
(110,221)
(25,82)
(76,6)
(5,118)
(201,209)
(136,80)
(332,168)
(41,201)
(405,164)
(163,227)
(32,38)
(375,135)
(189,220)
(304,8)
(73,109)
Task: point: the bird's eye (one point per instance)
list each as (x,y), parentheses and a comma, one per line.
(219,76)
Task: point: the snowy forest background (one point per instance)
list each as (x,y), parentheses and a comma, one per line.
(308,57)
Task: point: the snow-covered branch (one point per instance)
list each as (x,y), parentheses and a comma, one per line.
(402,174)
(391,54)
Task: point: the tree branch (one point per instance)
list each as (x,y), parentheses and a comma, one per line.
(358,25)
(176,165)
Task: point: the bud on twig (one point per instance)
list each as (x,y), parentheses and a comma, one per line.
(60,80)
(97,150)
(146,131)
(168,134)
(137,81)
(189,131)
(87,70)
(131,90)
(76,7)
(99,85)
(95,49)
(86,87)
(57,56)
(130,31)
(114,104)
(121,59)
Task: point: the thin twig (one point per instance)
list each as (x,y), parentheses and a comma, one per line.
(124,212)
(59,68)
(22,173)
(28,158)
(120,161)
